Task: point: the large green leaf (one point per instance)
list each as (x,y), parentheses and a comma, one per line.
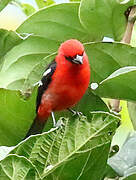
(3,4)
(68,152)
(58,22)
(119,85)
(104,18)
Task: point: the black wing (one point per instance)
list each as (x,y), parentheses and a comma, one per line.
(45,81)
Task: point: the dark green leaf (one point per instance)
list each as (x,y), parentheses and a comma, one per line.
(104,18)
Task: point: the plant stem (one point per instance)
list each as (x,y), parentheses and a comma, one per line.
(115,104)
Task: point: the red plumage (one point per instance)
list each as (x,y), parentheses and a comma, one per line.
(68,82)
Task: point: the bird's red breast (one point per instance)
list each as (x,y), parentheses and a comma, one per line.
(68,82)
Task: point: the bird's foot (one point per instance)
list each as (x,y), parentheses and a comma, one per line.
(75,112)
(59,123)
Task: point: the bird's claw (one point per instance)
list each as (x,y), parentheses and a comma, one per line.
(77,113)
(59,123)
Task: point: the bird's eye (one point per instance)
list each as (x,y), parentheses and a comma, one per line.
(69,58)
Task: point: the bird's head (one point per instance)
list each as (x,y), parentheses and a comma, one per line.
(73,51)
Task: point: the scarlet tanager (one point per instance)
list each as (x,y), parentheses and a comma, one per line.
(63,84)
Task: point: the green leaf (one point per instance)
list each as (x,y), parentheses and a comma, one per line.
(107,57)
(43,3)
(132,113)
(103,18)
(20,69)
(3,4)
(18,168)
(16,114)
(68,152)
(27,9)
(124,162)
(119,85)
(58,22)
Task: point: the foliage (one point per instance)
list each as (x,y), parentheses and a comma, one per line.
(80,148)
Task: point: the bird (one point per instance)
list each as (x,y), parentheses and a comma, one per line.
(63,83)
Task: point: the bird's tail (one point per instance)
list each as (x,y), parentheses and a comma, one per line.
(36,127)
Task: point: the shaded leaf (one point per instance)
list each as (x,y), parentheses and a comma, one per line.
(103,18)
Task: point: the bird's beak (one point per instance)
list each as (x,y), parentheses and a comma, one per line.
(78,59)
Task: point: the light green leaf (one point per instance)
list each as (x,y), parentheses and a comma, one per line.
(27,9)
(119,85)
(3,4)
(17,168)
(104,18)
(43,3)
(58,22)
(69,151)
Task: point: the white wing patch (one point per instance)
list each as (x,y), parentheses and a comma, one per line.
(47,72)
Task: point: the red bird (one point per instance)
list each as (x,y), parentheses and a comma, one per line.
(63,84)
